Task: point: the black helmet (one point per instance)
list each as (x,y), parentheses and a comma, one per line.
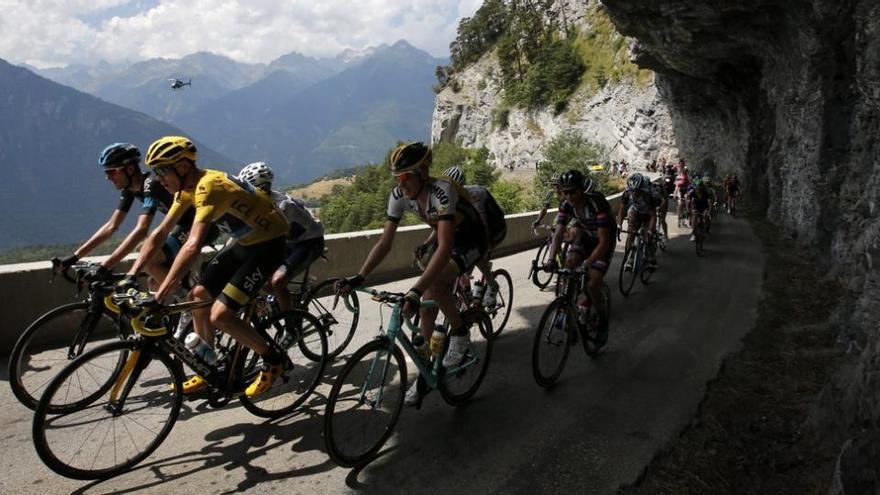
(571,178)
(409,157)
(118,155)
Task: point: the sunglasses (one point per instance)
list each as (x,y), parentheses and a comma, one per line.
(569,191)
(162,171)
(404,176)
(112,171)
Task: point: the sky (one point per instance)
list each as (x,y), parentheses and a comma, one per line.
(54,33)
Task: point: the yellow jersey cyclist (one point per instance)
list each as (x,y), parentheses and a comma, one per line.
(240,269)
(594,236)
(494,225)
(305,237)
(444,205)
(121,165)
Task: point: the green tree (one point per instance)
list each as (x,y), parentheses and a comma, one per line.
(571,150)
(508,195)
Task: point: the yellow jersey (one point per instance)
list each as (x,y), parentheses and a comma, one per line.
(235,206)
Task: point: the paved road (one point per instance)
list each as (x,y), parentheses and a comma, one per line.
(596,430)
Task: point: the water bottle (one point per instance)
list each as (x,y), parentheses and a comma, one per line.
(479,287)
(583,310)
(438,340)
(201,348)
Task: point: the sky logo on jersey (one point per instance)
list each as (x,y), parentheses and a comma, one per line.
(251,281)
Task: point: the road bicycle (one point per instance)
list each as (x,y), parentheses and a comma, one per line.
(542,278)
(559,327)
(121,415)
(699,233)
(339,321)
(59,336)
(636,257)
(367,396)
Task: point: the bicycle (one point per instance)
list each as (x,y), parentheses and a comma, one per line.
(700,233)
(340,324)
(556,331)
(637,258)
(367,396)
(499,311)
(96,438)
(542,258)
(48,344)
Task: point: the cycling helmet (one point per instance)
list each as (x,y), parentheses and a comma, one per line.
(118,155)
(698,182)
(168,150)
(589,185)
(258,174)
(409,157)
(554,179)
(455,174)
(571,178)
(636,181)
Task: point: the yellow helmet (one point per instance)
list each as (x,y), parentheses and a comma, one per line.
(408,157)
(168,150)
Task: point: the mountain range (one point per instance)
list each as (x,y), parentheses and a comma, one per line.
(305,116)
(50,136)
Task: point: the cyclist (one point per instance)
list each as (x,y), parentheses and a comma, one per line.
(496,229)
(552,192)
(662,208)
(461,242)
(699,201)
(121,165)
(682,185)
(239,270)
(305,238)
(640,201)
(732,189)
(713,200)
(594,236)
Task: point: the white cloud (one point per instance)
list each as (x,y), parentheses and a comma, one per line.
(57,32)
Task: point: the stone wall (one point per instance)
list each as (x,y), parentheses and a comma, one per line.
(788,94)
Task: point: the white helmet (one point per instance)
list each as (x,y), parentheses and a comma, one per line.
(258,174)
(455,174)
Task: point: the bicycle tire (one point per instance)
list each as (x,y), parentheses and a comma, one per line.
(590,347)
(295,386)
(549,335)
(454,385)
(541,259)
(503,301)
(38,344)
(624,284)
(334,414)
(339,326)
(645,272)
(698,242)
(160,371)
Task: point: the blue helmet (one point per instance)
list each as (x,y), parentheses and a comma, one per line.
(636,181)
(118,155)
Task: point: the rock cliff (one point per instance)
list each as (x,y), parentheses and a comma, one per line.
(629,119)
(788,94)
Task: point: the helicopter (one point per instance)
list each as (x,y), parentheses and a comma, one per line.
(178,83)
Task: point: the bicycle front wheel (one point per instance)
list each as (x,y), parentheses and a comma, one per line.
(49,344)
(364,403)
(123,425)
(539,277)
(460,382)
(500,311)
(626,278)
(552,342)
(340,322)
(293,388)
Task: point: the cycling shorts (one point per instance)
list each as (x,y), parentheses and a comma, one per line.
(237,272)
(301,254)
(584,246)
(640,218)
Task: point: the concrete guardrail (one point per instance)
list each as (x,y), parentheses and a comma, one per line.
(27,293)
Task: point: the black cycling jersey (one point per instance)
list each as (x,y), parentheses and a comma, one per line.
(154,197)
(595,213)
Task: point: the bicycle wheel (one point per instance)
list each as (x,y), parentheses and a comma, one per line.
(460,382)
(339,323)
(539,277)
(552,342)
(364,403)
(117,430)
(645,271)
(590,345)
(50,343)
(662,236)
(294,387)
(499,313)
(626,279)
(699,237)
